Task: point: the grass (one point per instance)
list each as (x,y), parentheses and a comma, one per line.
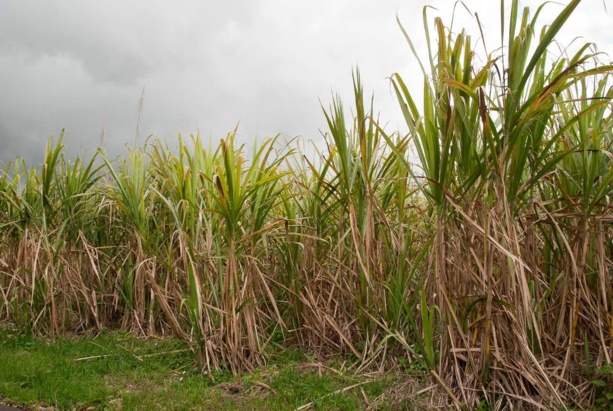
(115,370)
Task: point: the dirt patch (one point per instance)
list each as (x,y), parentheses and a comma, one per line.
(7,406)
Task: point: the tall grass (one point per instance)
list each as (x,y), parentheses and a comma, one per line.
(509,263)
(488,263)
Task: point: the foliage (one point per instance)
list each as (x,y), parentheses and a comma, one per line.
(604,381)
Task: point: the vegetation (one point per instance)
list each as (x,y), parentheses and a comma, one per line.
(489,263)
(115,370)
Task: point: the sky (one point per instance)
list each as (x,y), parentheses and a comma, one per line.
(113,73)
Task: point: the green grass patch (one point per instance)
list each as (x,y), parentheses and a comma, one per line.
(115,370)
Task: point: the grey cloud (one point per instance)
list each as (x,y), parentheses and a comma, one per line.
(205,66)
(119,41)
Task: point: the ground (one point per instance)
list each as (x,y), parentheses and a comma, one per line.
(115,370)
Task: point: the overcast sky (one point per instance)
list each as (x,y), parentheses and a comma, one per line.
(207,66)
